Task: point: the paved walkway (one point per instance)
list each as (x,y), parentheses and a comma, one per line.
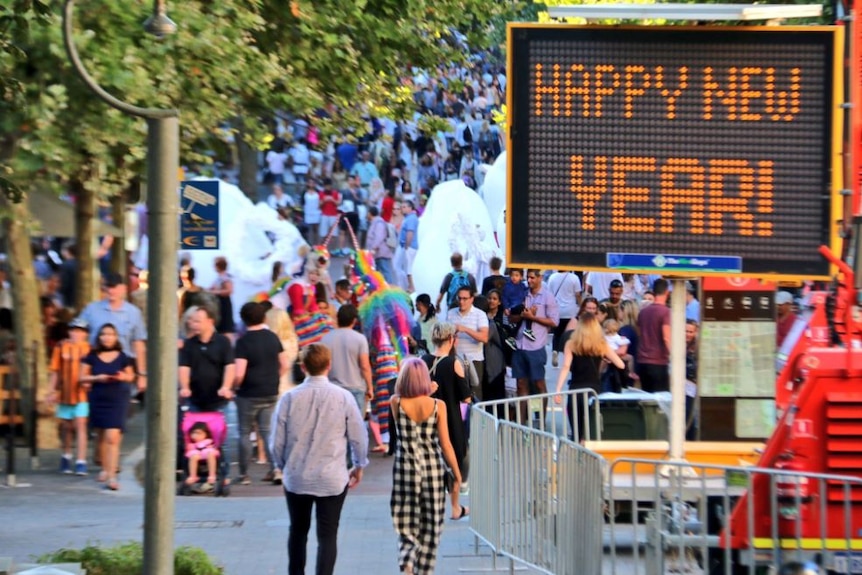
(246,532)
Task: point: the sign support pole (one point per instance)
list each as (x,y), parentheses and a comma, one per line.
(677,381)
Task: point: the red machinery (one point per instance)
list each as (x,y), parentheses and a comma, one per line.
(819,394)
(819,391)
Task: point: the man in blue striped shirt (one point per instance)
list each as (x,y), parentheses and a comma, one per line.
(311,428)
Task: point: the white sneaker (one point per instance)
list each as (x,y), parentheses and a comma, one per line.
(465,489)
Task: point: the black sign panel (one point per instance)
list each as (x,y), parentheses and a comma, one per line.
(683,141)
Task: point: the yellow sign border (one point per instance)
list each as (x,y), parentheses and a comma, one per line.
(836,130)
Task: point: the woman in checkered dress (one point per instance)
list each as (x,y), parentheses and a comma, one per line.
(418,490)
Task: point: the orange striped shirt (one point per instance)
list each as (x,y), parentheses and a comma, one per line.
(66,361)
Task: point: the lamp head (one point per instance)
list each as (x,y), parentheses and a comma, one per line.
(160,25)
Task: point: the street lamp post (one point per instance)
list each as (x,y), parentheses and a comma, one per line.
(163,207)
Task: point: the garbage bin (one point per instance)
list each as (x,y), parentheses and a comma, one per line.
(632,415)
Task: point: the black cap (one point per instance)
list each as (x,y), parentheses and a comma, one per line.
(616,284)
(113,280)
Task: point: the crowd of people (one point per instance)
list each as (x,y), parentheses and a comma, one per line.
(303,374)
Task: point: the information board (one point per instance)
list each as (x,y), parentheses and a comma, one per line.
(673,144)
(199,215)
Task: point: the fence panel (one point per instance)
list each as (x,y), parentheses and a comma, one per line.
(724,520)
(580,513)
(485,477)
(527,499)
(544,413)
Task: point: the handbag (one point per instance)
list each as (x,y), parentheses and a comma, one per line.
(448,480)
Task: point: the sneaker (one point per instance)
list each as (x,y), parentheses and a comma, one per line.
(244,480)
(510,341)
(81,468)
(528,333)
(204,487)
(277,477)
(554,359)
(66,465)
(465,489)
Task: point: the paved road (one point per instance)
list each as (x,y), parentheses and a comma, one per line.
(246,532)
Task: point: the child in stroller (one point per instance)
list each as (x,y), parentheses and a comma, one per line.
(203,435)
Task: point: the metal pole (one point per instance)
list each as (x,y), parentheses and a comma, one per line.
(162,203)
(677,370)
(161,403)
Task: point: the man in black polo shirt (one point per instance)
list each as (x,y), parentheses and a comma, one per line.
(207,368)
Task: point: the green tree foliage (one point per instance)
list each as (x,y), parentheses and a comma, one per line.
(229,59)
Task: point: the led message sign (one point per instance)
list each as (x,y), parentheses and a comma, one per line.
(672,143)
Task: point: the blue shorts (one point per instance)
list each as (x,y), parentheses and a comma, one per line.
(69,412)
(529,364)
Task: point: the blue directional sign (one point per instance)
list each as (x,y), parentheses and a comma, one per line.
(199,220)
(668,263)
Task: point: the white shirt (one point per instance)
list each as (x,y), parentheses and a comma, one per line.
(284,201)
(276,161)
(600,282)
(566,286)
(466,346)
(301,159)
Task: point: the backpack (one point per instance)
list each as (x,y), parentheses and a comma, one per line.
(460,279)
(391,236)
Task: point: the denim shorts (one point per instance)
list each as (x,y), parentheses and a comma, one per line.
(68,412)
(529,364)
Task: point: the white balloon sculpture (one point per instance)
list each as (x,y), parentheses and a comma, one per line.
(252,238)
(455,220)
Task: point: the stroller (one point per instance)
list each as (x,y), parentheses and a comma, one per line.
(218,428)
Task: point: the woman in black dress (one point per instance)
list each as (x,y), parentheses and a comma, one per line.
(222,288)
(451,387)
(109,371)
(583,355)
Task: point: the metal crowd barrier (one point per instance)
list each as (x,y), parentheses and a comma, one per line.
(543,413)
(538,495)
(674,517)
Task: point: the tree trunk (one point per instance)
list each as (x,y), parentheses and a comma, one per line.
(119,257)
(29,339)
(247,166)
(85,238)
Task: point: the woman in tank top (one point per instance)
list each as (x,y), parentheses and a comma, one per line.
(583,355)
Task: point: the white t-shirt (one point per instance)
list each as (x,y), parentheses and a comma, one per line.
(301,159)
(276,161)
(284,201)
(565,286)
(616,341)
(311,207)
(466,346)
(601,282)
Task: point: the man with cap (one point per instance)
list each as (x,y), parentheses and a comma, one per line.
(70,395)
(114,309)
(786,317)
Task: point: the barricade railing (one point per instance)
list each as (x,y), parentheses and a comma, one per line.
(538,495)
(677,517)
(544,413)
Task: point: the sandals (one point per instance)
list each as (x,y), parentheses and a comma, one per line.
(112,485)
(380,449)
(465,512)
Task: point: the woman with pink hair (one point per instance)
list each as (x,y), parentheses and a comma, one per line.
(418,486)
